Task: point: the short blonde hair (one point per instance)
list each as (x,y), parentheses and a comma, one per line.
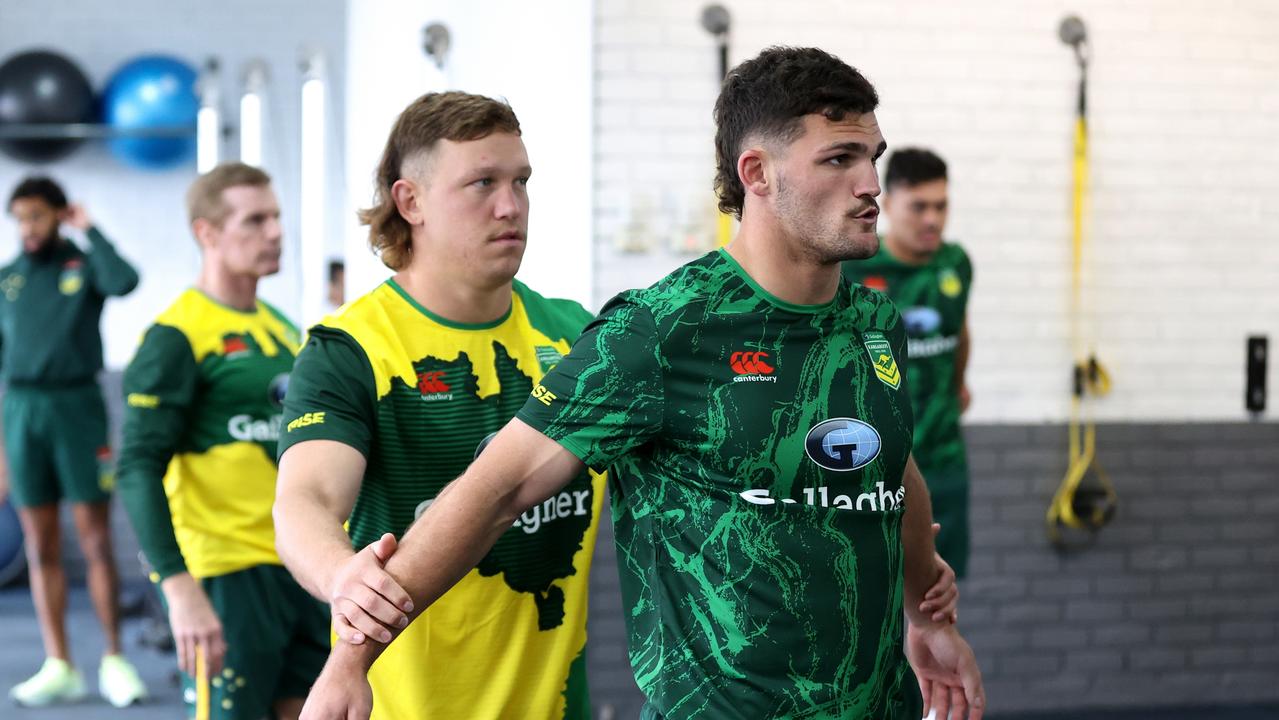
(455,116)
(204,197)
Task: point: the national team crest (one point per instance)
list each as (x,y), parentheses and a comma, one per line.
(949,283)
(547,356)
(72,277)
(881,356)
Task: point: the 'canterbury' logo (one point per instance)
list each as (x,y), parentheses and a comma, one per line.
(750,363)
(315,418)
(430,382)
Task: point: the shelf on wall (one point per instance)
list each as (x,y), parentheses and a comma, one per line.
(86,131)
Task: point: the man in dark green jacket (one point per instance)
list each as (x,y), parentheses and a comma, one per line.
(55,427)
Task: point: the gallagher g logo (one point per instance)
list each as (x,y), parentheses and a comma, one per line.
(278,388)
(842,444)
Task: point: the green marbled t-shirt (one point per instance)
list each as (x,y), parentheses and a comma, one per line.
(757,450)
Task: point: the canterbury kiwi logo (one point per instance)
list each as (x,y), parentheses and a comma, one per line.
(750,363)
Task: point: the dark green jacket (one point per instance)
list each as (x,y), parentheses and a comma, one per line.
(50,307)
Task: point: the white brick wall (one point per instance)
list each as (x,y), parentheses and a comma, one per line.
(1183,108)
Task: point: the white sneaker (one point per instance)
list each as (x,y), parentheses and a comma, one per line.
(118,681)
(56,682)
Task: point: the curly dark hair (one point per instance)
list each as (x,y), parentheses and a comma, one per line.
(769,95)
(40,187)
(913,166)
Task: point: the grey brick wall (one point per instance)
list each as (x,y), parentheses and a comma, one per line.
(1176,602)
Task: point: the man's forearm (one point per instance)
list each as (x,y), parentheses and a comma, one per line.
(917,542)
(456,532)
(451,538)
(519,468)
(113,274)
(140,486)
(311,542)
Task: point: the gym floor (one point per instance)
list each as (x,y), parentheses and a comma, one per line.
(19,630)
(21,658)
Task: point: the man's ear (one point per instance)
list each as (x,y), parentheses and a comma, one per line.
(754,169)
(205,233)
(408,200)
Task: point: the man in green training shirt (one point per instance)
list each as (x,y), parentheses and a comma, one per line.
(771,526)
(929,279)
(55,427)
(203,402)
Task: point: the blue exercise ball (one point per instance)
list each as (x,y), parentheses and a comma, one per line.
(12,560)
(41,87)
(152,92)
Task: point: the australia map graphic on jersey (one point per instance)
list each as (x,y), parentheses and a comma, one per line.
(427,448)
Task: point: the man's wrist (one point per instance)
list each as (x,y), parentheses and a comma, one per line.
(923,625)
(327,571)
(177,581)
(353,659)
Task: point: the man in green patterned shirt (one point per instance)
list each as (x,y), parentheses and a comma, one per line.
(771,525)
(929,280)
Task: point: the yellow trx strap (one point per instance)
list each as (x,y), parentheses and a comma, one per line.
(1086,499)
(723,229)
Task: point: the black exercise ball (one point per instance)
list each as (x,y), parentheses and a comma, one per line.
(42,87)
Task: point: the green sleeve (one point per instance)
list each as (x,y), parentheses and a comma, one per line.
(332,395)
(607,396)
(965,271)
(897,339)
(111,274)
(159,388)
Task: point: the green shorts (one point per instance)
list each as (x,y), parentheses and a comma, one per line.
(277,639)
(56,440)
(949,491)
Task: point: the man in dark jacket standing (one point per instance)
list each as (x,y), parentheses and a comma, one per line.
(55,427)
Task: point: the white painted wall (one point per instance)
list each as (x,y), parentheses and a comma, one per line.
(538,56)
(1184,106)
(143,212)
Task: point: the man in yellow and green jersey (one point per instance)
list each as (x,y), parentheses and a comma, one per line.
(393,396)
(203,402)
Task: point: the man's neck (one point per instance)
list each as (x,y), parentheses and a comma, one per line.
(235,291)
(451,297)
(48,250)
(902,254)
(776,265)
